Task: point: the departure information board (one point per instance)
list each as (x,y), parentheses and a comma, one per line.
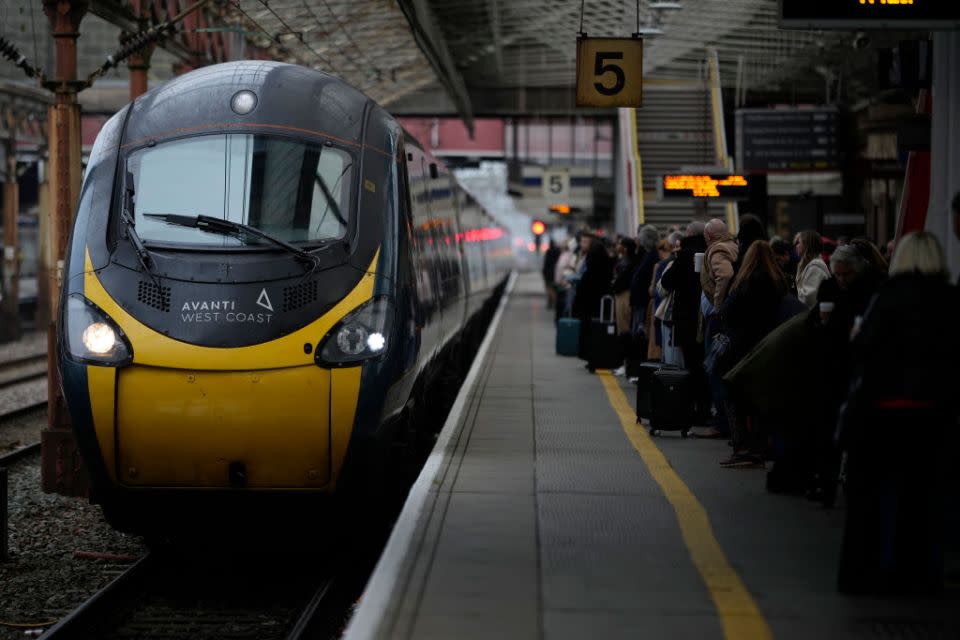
(782,140)
(715,186)
(870,14)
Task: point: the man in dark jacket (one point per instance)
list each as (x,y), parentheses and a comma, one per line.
(647,259)
(684,282)
(550,259)
(594,284)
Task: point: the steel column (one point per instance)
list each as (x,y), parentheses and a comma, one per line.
(10,305)
(60,471)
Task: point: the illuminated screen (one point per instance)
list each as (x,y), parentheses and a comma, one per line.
(704,186)
(866,14)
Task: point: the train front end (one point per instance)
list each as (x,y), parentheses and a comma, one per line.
(227,285)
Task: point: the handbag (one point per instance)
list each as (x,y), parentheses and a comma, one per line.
(719,349)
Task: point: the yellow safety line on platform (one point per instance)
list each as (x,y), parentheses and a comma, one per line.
(739,614)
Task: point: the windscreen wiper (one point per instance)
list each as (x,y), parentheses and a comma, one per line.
(130,227)
(236,229)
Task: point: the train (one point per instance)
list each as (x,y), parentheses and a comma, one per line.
(265,277)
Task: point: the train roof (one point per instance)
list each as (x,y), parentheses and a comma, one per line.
(289,97)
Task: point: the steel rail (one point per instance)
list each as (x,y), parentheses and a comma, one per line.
(16,362)
(107,599)
(9,458)
(305,625)
(30,377)
(21,411)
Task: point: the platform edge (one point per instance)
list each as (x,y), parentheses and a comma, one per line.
(382,593)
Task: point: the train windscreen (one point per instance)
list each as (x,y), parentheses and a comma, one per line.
(294,191)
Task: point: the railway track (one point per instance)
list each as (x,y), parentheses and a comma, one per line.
(10,457)
(22,386)
(21,369)
(167,597)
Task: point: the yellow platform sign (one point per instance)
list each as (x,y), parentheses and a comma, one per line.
(609,72)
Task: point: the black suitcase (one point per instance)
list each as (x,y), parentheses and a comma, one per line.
(645,386)
(604,347)
(671,401)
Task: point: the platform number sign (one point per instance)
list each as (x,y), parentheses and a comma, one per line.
(556,186)
(609,72)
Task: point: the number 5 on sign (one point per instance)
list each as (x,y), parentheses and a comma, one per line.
(609,72)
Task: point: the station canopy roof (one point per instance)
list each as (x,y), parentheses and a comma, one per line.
(497,57)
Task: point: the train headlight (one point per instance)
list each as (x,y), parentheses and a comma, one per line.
(91,337)
(99,338)
(361,335)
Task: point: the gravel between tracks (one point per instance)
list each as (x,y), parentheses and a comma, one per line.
(22,430)
(42,580)
(30,344)
(21,395)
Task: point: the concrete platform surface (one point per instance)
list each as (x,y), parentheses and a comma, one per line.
(546,512)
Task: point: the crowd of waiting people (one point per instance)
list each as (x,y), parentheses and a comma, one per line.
(832,360)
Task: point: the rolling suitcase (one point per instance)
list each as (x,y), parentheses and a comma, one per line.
(568,337)
(644,387)
(604,347)
(671,401)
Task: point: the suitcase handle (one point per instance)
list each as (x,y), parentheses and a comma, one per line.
(608,318)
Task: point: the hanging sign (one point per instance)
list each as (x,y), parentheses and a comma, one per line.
(556,186)
(609,72)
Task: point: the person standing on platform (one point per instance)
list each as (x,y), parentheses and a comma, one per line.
(812,270)
(683,282)
(857,274)
(647,258)
(716,275)
(565,266)
(592,286)
(751,230)
(749,313)
(787,261)
(898,426)
(654,324)
(550,258)
(622,277)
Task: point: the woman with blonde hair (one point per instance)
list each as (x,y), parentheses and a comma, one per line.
(812,270)
(899,427)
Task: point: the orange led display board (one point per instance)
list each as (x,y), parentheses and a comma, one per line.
(870,14)
(730,187)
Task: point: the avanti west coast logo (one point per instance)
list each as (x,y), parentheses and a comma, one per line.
(227,311)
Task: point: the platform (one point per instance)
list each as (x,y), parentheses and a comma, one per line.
(546,512)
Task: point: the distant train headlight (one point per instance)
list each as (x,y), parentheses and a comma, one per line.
(362,335)
(91,337)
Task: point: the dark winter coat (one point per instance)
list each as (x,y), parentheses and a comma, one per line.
(750,313)
(594,285)
(623,273)
(684,282)
(640,283)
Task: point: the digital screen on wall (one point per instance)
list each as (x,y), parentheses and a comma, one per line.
(710,186)
(784,140)
(870,14)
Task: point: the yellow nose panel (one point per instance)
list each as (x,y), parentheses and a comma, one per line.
(181,428)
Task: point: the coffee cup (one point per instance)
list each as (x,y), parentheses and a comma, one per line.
(698,262)
(826,308)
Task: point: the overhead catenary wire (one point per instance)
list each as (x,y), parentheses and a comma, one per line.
(297,34)
(343,29)
(140,41)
